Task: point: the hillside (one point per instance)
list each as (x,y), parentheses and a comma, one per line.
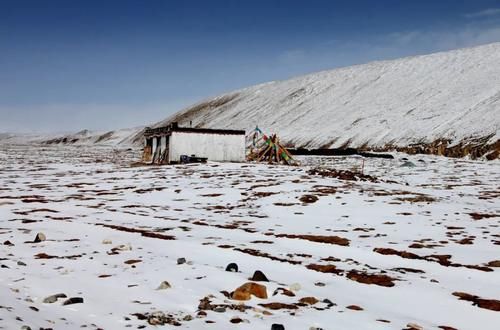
(450,99)
(445,103)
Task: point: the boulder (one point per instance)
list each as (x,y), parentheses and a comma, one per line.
(248,289)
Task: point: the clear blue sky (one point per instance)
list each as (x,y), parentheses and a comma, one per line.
(69,65)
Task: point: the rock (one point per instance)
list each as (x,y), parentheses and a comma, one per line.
(278,305)
(20,263)
(181,261)
(284,291)
(494,263)
(25,327)
(73,300)
(248,289)
(236,320)
(307,199)
(220,309)
(277,326)
(315,328)
(53,298)
(414,326)
(259,276)
(354,308)
(232,267)
(308,300)
(407,164)
(164,285)
(8,243)
(107,241)
(40,237)
(295,287)
(187,318)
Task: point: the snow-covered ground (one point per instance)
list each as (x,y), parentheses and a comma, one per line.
(114,233)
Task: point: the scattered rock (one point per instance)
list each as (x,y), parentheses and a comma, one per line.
(277,305)
(164,285)
(40,237)
(245,291)
(276,326)
(308,300)
(73,300)
(494,263)
(53,298)
(181,261)
(308,199)
(232,267)
(354,307)
(20,263)
(259,276)
(414,326)
(219,309)
(284,291)
(236,320)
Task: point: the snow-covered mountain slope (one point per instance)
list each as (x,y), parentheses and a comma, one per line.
(121,137)
(450,96)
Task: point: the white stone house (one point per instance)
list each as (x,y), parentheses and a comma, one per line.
(166,145)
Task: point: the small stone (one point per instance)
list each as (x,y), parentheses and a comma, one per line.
(315,328)
(220,309)
(354,308)
(40,237)
(321,284)
(181,261)
(73,300)
(25,327)
(259,276)
(20,263)
(232,267)
(277,326)
(187,318)
(308,300)
(414,326)
(164,285)
(236,320)
(53,298)
(107,241)
(295,287)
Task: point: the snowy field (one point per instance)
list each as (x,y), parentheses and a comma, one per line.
(412,247)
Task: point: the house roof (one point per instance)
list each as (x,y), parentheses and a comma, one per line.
(168,130)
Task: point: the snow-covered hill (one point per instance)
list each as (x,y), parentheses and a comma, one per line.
(444,103)
(451,97)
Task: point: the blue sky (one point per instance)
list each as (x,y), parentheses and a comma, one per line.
(69,65)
